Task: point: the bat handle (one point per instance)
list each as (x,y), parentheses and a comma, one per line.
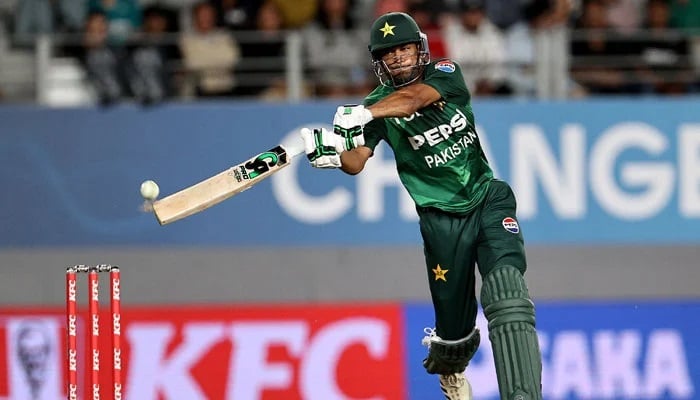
(294,149)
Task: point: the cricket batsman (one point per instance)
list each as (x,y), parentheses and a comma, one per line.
(421,109)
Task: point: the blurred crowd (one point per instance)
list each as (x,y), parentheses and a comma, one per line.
(154,50)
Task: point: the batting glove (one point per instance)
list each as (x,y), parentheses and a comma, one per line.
(349,123)
(322,148)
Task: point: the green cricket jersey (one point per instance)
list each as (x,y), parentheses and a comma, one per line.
(438,153)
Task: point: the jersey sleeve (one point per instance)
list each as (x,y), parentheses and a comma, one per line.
(446,77)
(374,132)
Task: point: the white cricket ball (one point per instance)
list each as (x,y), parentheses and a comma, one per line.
(149,190)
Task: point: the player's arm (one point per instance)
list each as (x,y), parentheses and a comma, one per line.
(353,161)
(350,120)
(404,102)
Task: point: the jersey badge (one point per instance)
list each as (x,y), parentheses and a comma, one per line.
(511,225)
(440,273)
(445,66)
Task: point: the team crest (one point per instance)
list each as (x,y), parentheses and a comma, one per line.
(445,66)
(387,29)
(511,225)
(440,273)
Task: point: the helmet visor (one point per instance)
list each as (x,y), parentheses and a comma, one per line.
(400,65)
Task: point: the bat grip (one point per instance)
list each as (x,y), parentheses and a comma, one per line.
(294,149)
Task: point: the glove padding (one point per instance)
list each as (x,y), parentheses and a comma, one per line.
(322,148)
(349,123)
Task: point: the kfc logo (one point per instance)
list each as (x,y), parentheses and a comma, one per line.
(72,360)
(94,291)
(95,360)
(72,291)
(116,289)
(72,392)
(117,355)
(116,324)
(31,361)
(256,353)
(117,391)
(72,325)
(95,325)
(350,358)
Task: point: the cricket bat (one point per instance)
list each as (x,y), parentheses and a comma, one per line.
(224,185)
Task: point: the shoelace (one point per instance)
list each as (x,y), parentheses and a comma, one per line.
(454,380)
(430,333)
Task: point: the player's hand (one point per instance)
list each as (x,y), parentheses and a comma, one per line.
(322,148)
(349,123)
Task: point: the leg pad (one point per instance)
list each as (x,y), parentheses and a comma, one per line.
(450,356)
(511,317)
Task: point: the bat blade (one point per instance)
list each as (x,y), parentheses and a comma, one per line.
(223,185)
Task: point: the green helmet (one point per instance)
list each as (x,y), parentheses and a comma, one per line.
(391,30)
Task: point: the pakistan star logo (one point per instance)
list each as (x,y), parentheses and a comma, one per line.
(388,29)
(440,104)
(440,273)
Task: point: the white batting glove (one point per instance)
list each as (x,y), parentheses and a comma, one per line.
(349,123)
(322,148)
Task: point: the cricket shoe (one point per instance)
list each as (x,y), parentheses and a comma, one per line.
(456,387)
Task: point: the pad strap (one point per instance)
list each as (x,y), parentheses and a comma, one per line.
(451,356)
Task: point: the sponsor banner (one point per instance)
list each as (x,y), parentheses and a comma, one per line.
(574,166)
(304,352)
(597,351)
(31,356)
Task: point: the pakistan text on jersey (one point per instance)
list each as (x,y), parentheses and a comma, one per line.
(449,153)
(437,134)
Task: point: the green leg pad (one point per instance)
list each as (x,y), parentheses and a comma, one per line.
(511,317)
(451,356)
